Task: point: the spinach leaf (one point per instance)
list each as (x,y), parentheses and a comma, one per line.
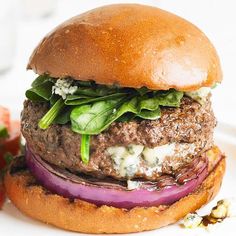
(127,106)
(127,117)
(64,116)
(54,98)
(84,148)
(148,103)
(150,114)
(76,97)
(93,118)
(96,117)
(40,80)
(50,116)
(99,91)
(170,98)
(86,83)
(81,101)
(142,91)
(41,92)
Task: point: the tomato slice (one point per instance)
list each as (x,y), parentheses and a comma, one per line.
(12,143)
(4,117)
(2,195)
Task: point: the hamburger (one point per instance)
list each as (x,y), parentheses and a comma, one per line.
(118,123)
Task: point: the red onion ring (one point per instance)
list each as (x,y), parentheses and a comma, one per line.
(101,195)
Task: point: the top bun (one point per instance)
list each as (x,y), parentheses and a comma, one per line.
(132,46)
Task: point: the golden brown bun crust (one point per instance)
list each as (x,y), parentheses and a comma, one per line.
(85,217)
(130,45)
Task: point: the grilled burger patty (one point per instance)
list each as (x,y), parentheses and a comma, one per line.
(137,149)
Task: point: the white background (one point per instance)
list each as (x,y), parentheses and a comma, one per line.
(216,18)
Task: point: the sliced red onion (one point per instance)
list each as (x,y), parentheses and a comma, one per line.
(100,195)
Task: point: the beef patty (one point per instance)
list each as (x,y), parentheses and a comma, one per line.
(187,129)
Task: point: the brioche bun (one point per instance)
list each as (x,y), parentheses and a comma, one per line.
(35,201)
(132,46)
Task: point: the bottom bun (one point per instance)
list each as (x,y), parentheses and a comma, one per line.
(77,215)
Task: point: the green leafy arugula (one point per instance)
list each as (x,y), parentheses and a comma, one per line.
(92,107)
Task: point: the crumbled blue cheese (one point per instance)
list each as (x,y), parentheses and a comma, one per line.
(224,208)
(131,185)
(63,87)
(192,220)
(199,95)
(126,159)
(155,156)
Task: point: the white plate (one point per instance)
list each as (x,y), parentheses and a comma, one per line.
(13,223)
